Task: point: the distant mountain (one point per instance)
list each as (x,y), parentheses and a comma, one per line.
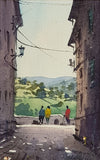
(52,81)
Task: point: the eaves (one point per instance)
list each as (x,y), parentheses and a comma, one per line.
(19,20)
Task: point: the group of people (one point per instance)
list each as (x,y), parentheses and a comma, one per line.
(44,113)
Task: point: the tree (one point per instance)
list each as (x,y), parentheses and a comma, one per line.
(51,93)
(59,93)
(41,93)
(66,96)
(71,86)
(60,104)
(71,90)
(41,85)
(36,112)
(63,87)
(32,87)
(28,83)
(24,109)
(23,81)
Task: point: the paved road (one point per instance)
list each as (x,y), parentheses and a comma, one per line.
(44,142)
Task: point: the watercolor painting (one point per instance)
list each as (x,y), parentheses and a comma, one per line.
(49,80)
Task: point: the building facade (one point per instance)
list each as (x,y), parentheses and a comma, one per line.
(85,38)
(10,20)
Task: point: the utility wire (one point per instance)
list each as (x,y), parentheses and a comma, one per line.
(52,2)
(43,3)
(38,47)
(32,46)
(68,3)
(24,43)
(56,50)
(26,38)
(78,3)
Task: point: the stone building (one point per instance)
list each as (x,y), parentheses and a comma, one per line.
(10,21)
(85,38)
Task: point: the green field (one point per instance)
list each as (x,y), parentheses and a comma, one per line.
(36,103)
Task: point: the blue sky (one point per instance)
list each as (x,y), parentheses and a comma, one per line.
(45,24)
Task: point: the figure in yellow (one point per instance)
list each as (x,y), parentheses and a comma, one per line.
(47,114)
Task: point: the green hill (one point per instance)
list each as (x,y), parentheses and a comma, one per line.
(30,96)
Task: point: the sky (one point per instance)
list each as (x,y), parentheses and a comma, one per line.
(46,25)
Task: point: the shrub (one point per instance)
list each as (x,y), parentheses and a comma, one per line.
(23,109)
(60,104)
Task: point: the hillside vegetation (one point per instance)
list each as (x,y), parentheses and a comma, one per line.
(30,96)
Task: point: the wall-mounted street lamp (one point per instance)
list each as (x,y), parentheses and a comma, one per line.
(10,63)
(21,51)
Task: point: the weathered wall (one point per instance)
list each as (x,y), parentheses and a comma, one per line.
(22,120)
(87,38)
(7,72)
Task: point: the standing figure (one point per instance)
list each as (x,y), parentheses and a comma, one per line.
(67,114)
(47,114)
(41,115)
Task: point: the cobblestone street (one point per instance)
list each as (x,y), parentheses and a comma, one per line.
(44,142)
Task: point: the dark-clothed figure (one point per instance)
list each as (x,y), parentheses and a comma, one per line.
(67,114)
(41,115)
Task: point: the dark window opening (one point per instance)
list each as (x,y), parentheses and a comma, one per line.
(79,35)
(92,69)
(90,14)
(81,72)
(9,95)
(5,95)
(81,100)
(0,39)
(8,41)
(5,2)
(0,95)
(92,73)
(12,52)
(13,22)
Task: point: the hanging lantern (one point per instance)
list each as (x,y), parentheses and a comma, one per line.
(21,50)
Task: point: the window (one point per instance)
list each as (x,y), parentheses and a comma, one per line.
(81,72)
(8,41)
(5,2)
(0,39)
(92,69)
(13,22)
(5,95)
(90,14)
(92,73)
(81,100)
(0,95)
(9,95)
(79,35)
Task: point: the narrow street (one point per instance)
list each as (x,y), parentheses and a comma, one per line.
(44,142)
